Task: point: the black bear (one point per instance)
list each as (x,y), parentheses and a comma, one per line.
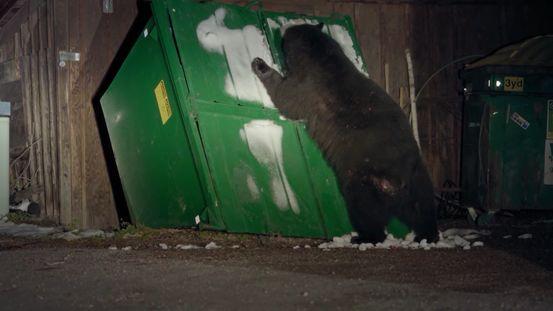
(363,134)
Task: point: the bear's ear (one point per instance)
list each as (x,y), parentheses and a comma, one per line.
(320,26)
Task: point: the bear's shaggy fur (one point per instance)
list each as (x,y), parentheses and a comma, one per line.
(362,132)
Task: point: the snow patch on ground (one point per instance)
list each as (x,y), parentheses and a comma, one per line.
(212,245)
(525,236)
(26,230)
(186,247)
(34,231)
(264,139)
(239,47)
(451,238)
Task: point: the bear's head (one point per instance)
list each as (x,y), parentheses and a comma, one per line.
(304,44)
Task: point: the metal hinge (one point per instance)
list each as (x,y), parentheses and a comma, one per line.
(107,6)
(65,56)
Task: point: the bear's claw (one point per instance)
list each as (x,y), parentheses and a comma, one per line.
(259,67)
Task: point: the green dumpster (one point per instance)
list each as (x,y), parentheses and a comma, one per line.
(196,138)
(508,128)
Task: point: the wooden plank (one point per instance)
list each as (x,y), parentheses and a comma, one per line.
(367,24)
(38,175)
(7,50)
(60,8)
(75,101)
(26,98)
(44,109)
(54,147)
(10,71)
(393,41)
(344,8)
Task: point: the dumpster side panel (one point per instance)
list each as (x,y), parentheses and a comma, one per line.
(260,171)
(149,142)
(523,156)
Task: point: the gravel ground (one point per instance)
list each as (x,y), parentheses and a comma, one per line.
(268,273)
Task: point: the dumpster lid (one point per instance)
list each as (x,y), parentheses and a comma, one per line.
(534,54)
(4,109)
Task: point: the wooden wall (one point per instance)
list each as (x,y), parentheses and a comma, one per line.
(56,129)
(57,132)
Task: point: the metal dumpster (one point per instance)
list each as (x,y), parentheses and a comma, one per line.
(508,128)
(197,139)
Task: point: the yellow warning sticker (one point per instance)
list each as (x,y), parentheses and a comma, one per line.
(513,84)
(163,102)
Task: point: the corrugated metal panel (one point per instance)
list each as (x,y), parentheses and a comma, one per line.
(535,52)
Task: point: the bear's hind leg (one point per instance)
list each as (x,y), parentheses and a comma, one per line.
(367,214)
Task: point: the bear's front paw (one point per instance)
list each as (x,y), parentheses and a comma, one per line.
(260,68)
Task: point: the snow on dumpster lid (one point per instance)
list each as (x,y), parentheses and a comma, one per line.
(533,52)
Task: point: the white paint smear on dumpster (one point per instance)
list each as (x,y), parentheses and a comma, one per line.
(337,32)
(342,36)
(252,186)
(240,47)
(264,139)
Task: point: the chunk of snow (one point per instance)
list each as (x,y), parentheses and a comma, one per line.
(92,233)
(239,47)
(186,247)
(459,241)
(296,247)
(525,236)
(235,246)
(477,243)
(507,236)
(466,247)
(471,236)
(163,246)
(112,248)
(264,139)
(127,248)
(68,236)
(212,245)
(307,246)
(463,232)
(444,244)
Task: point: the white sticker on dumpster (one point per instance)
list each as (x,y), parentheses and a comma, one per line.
(240,47)
(520,121)
(264,139)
